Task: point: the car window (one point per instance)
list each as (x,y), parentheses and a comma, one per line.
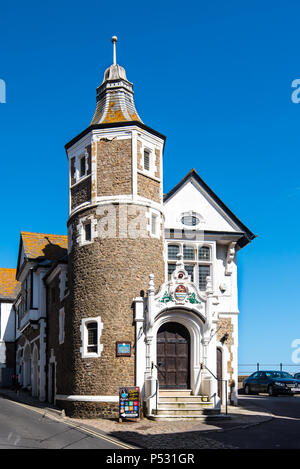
(277,374)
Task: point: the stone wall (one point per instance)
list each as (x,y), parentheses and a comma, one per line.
(104,277)
(148,188)
(225,325)
(114,167)
(81,193)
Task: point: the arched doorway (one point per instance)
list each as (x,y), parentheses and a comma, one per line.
(27,366)
(35,375)
(173,356)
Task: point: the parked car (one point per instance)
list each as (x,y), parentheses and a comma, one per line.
(272,382)
(297,375)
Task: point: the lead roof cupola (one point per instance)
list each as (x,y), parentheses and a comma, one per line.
(115,101)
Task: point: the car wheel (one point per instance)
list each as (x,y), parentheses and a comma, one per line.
(271,391)
(247,389)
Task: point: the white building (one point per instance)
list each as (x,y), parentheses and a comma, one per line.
(8,290)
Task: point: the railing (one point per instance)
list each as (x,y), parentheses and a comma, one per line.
(221,380)
(251,368)
(156,387)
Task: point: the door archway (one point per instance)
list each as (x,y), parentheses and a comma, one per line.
(27,366)
(35,386)
(173,356)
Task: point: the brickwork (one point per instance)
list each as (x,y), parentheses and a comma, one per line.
(81,193)
(114,167)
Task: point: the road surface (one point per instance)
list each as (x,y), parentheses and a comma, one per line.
(25,427)
(282,432)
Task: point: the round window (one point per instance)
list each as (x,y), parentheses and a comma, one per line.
(190,220)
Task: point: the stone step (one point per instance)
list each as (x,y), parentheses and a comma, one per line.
(184,405)
(170,418)
(184,412)
(174,392)
(199,399)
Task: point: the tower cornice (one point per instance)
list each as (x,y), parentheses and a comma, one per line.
(113,125)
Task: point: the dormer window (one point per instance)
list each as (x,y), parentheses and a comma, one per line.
(147,160)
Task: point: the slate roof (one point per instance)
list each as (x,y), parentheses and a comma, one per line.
(9,286)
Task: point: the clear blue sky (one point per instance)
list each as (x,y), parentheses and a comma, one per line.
(214,77)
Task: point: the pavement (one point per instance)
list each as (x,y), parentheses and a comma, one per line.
(151,434)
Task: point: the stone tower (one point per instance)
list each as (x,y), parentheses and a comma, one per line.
(115,231)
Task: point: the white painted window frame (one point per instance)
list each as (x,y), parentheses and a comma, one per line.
(84,337)
(196,262)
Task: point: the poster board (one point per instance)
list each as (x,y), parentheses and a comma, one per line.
(129,402)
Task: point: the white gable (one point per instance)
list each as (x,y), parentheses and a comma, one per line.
(193,198)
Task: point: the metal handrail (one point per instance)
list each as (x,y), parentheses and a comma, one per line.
(156,387)
(218,379)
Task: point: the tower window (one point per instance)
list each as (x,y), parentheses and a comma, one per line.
(147,160)
(154,224)
(92,334)
(91,329)
(73,179)
(87,231)
(82,166)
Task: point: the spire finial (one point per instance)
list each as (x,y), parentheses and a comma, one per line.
(114,40)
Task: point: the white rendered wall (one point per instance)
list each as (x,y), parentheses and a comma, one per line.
(191,198)
(7,322)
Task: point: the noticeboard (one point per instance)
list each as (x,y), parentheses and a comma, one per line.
(123,349)
(129,402)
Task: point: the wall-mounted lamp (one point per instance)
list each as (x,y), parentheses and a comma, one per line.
(224,338)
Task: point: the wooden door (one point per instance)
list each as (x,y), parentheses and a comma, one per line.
(173,356)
